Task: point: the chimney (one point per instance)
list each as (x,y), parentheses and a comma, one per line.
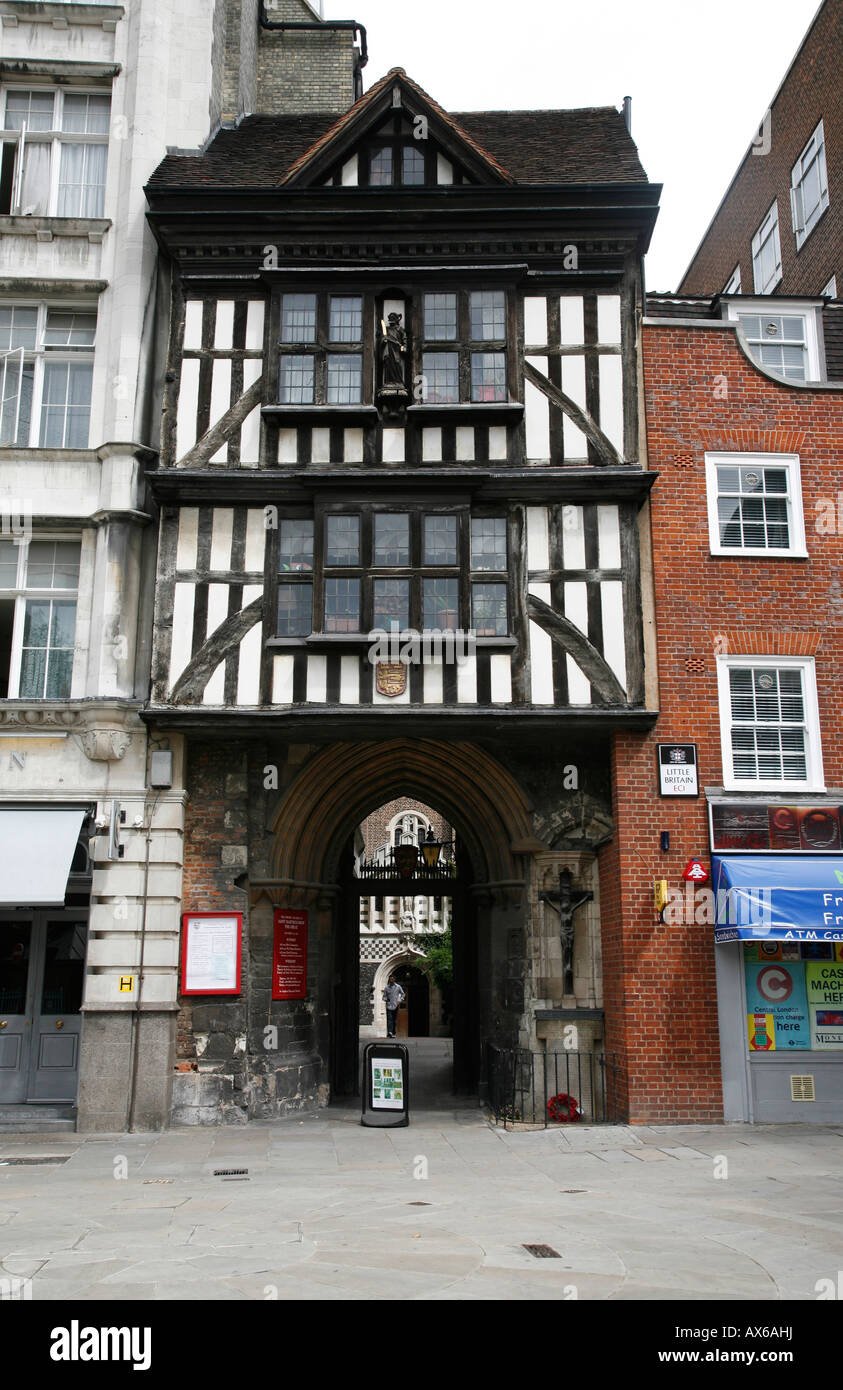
(306,63)
(627,113)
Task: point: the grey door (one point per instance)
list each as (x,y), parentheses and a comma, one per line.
(42,975)
(15,1007)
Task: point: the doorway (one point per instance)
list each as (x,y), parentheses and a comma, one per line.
(42,968)
(414,1013)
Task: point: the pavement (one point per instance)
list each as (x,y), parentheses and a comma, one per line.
(443,1209)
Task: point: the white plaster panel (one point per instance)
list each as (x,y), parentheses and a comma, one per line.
(467,681)
(444,169)
(193,311)
(432,445)
(611,400)
(535,320)
(214,692)
(220,400)
(221,531)
(465,442)
(282,680)
(255,540)
(188,406)
(573,538)
(500,666)
(537,415)
(573,385)
(393,446)
(320,445)
(349,172)
(576,611)
(541,655)
(609,319)
(250,430)
(608,538)
(538,545)
(572,328)
(249,663)
(188,542)
(353,445)
(182,629)
(254,324)
(349,680)
(224,328)
(317,678)
(288,449)
(497,442)
(614,646)
(433,683)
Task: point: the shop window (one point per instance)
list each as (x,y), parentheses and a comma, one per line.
(769,724)
(54,152)
(755,505)
(39,581)
(793,1004)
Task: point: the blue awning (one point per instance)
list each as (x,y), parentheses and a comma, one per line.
(765,898)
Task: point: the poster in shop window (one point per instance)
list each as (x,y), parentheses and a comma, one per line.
(777,1005)
(289,954)
(824,980)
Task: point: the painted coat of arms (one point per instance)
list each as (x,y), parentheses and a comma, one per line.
(391,677)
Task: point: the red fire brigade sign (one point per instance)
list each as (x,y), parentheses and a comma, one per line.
(695,872)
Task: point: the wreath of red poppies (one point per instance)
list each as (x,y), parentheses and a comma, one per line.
(564,1109)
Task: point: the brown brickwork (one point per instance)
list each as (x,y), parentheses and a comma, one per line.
(375,826)
(659,982)
(811,91)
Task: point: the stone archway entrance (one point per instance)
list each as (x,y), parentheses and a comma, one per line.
(311,863)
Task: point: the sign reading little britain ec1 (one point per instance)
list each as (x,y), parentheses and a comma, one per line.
(387,1083)
(678,769)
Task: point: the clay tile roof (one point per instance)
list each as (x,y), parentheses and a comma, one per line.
(589,145)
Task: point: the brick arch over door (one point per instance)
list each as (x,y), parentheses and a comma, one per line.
(345,782)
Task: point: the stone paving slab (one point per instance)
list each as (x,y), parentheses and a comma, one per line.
(327,1212)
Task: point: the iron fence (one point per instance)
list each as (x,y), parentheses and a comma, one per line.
(552,1087)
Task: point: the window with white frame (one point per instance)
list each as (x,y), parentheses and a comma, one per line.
(46,373)
(769,723)
(767,253)
(755,505)
(733,284)
(39,580)
(809,187)
(54,144)
(786,341)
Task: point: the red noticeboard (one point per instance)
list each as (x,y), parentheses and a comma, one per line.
(289,954)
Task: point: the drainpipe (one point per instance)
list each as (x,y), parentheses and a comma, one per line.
(136,1016)
(318,25)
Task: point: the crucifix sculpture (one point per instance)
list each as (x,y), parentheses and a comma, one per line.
(566,903)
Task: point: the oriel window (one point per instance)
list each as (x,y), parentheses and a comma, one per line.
(464,347)
(321,359)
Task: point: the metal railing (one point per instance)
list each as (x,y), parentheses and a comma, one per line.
(552,1087)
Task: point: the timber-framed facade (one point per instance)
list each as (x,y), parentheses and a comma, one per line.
(401,392)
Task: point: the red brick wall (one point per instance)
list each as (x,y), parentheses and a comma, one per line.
(375,826)
(659,987)
(813,90)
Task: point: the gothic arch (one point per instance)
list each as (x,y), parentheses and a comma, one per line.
(343,783)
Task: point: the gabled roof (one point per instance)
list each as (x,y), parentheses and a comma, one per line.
(589,145)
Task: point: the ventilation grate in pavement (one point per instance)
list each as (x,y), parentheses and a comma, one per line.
(543,1252)
(32,1162)
(150,1182)
(418,1204)
(230,1172)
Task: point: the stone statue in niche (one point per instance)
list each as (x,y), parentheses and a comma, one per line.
(393,393)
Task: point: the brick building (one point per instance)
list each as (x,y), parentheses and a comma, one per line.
(779,228)
(746,547)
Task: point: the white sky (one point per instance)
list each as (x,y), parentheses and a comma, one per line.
(701,74)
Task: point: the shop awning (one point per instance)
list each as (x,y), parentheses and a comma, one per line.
(36,851)
(760,897)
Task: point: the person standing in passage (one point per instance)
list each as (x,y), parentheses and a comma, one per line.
(394,996)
